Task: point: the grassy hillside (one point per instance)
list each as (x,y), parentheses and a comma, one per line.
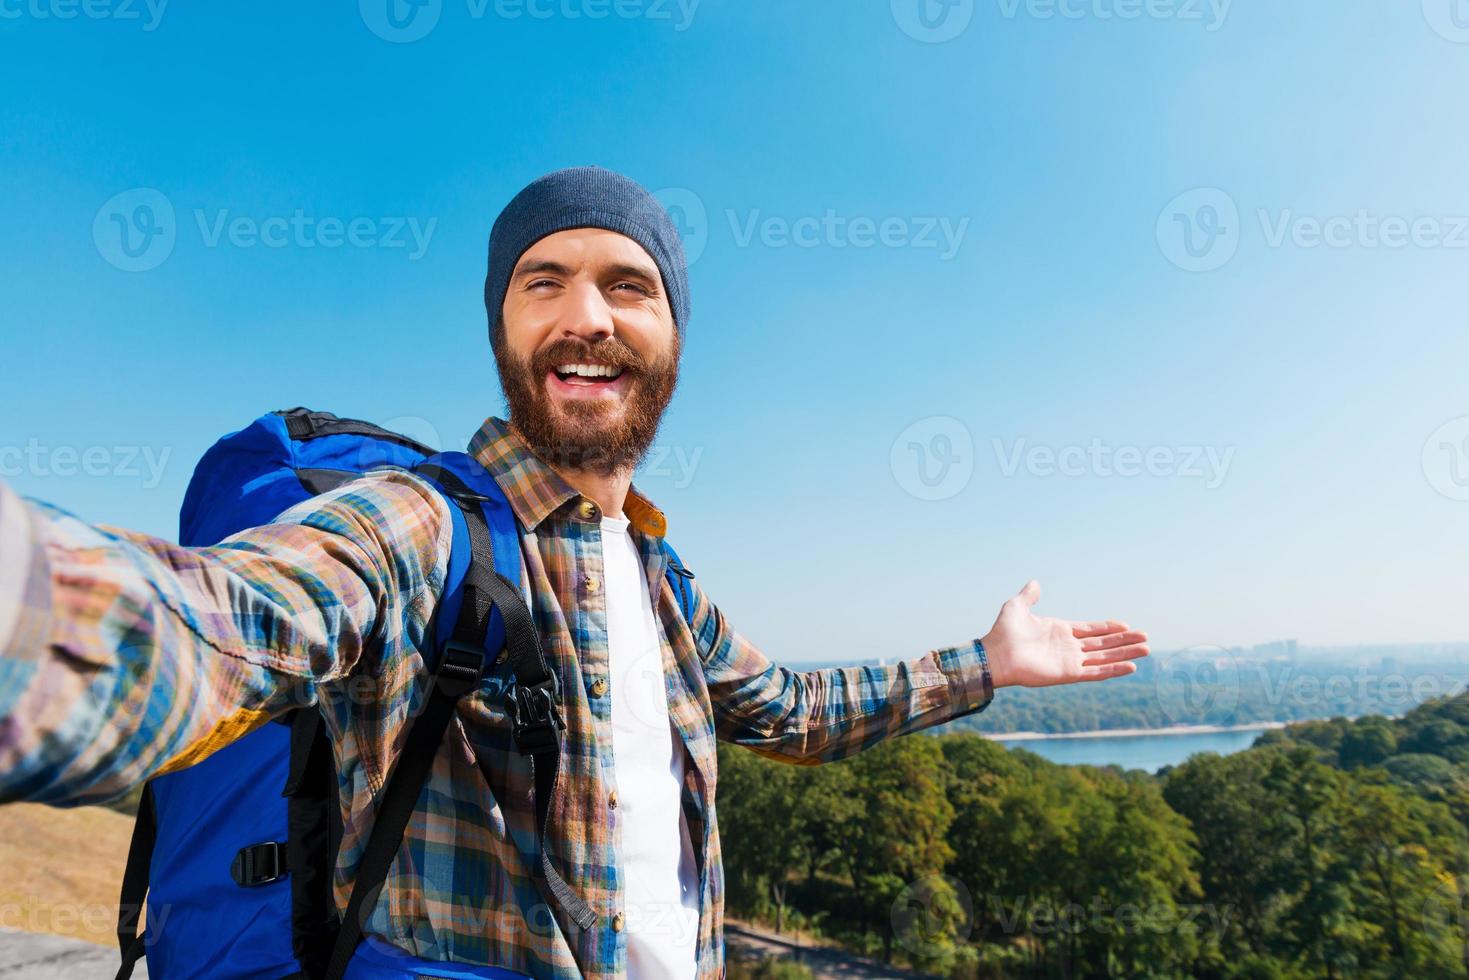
(62,869)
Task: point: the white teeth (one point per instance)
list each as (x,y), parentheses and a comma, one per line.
(590,370)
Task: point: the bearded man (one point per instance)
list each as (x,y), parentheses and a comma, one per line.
(124,656)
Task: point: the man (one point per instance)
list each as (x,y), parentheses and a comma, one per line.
(123,657)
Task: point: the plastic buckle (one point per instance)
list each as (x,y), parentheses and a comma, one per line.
(534,717)
(258,864)
(460,667)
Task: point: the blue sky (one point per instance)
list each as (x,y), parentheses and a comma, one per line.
(1161,303)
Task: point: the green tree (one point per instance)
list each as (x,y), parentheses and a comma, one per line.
(1243,843)
(902,834)
(1369,742)
(761,842)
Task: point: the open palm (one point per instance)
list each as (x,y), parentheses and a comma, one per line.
(1037,651)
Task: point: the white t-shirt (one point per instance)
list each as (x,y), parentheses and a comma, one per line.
(661,901)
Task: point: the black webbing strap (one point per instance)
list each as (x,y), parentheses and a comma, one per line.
(135,885)
(303,424)
(533,702)
(536,725)
(400,799)
(458,672)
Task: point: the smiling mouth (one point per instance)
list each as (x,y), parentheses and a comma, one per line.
(586,378)
(580,373)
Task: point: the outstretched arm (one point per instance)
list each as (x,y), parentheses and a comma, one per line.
(815,716)
(123,656)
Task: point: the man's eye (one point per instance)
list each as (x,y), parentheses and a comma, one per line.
(537,283)
(633,286)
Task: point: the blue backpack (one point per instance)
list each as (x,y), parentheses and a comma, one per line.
(234,856)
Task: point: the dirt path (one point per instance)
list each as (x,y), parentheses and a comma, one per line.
(826,963)
(31,956)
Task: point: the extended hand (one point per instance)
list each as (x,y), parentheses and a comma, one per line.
(1037,651)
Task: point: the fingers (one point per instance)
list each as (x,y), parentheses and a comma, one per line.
(1109,640)
(1031,594)
(1117,655)
(1080,630)
(1108,671)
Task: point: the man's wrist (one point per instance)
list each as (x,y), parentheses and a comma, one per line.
(995,658)
(971,686)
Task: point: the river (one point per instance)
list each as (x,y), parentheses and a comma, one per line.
(1149,751)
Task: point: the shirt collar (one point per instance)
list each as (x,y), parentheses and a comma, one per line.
(535,490)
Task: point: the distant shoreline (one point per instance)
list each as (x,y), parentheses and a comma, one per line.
(1257,726)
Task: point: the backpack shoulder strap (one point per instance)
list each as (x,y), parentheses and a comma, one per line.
(483,603)
(681,579)
(135,885)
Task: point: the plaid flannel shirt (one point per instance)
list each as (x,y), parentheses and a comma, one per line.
(124,656)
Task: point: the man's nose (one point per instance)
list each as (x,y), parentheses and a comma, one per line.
(587,314)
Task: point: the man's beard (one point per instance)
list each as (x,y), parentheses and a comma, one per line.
(576,434)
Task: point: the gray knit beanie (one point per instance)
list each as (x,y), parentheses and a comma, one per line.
(586,197)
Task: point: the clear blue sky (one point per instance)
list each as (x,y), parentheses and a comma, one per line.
(994,263)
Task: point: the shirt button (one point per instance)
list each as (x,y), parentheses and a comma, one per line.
(592,584)
(612,799)
(617,922)
(588,510)
(599,687)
